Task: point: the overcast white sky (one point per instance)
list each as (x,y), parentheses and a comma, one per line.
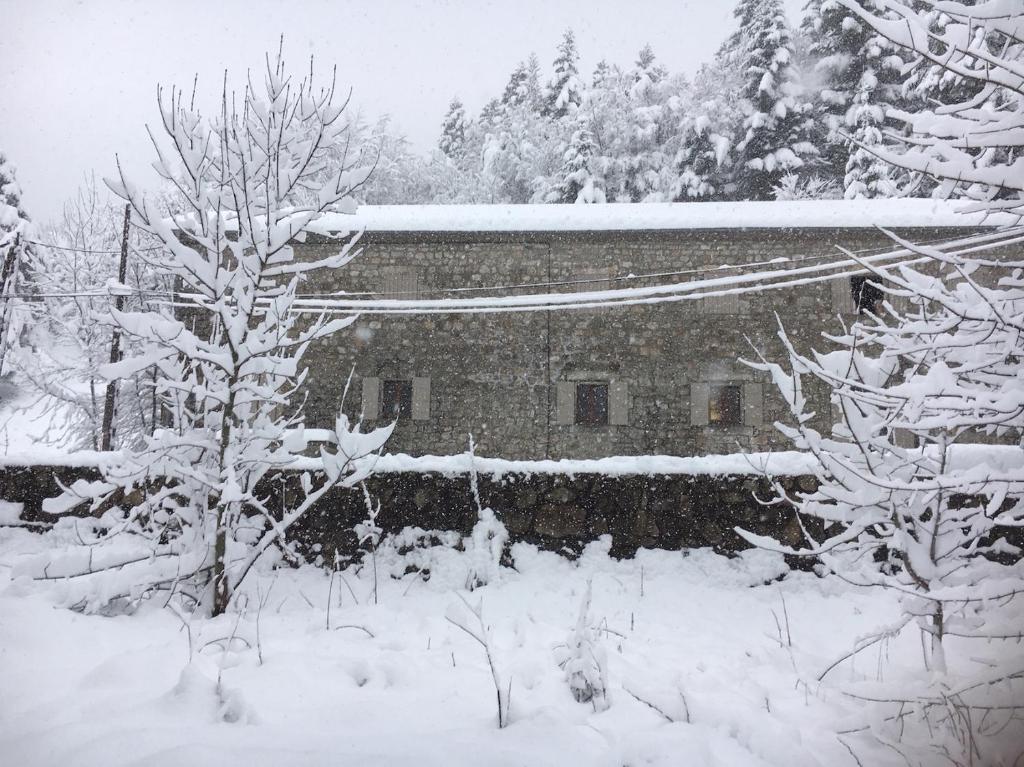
(78,79)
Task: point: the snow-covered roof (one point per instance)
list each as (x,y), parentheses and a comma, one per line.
(813,214)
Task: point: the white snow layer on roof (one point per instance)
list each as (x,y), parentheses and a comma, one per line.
(802,214)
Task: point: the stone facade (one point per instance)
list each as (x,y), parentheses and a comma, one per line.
(510,379)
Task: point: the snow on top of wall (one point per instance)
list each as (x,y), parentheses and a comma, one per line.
(801,214)
(992,458)
(781,463)
(788,463)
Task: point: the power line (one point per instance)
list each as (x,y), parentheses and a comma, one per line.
(516,286)
(631,296)
(89,250)
(622,278)
(309,303)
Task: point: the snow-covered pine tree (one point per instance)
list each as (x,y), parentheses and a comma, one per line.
(606,108)
(15,253)
(515,88)
(601,73)
(521,146)
(700,158)
(453,130)
(774,135)
(928,82)
(644,160)
(856,75)
(188,510)
(703,159)
(969,138)
(577,181)
(532,94)
(565,91)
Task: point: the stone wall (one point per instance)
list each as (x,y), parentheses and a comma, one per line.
(503,377)
(555,511)
(563,513)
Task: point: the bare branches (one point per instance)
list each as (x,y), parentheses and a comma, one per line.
(481,634)
(227,347)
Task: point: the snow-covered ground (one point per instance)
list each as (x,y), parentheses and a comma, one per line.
(703,638)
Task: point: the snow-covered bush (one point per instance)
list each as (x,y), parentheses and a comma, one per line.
(186,511)
(484,548)
(583,659)
(486,545)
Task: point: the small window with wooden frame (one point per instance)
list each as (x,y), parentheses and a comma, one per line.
(396,400)
(592,404)
(725,405)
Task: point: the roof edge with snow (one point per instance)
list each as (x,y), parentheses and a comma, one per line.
(680,216)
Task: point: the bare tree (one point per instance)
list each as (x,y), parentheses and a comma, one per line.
(902,503)
(187,507)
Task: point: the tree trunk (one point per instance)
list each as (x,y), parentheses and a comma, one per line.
(938,629)
(221,587)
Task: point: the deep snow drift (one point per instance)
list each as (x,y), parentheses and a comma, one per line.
(697,639)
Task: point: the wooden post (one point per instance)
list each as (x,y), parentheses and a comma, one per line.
(115,340)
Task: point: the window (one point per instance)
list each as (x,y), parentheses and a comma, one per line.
(396,400)
(592,404)
(724,407)
(865,295)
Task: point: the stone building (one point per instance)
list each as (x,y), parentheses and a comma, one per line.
(660,378)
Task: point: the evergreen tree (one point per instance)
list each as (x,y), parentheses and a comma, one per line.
(644,160)
(532,93)
(608,111)
(857,75)
(453,131)
(775,130)
(15,252)
(703,159)
(928,82)
(577,181)
(565,92)
(491,113)
(515,89)
(867,176)
(699,161)
(520,146)
(647,67)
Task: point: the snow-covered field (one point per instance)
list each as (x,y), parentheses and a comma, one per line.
(700,637)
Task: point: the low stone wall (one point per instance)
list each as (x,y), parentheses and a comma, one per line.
(31,485)
(561,512)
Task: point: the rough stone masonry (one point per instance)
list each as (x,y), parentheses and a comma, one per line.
(634,380)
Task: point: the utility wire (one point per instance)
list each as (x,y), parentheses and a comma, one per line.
(614,297)
(519,286)
(89,250)
(622,278)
